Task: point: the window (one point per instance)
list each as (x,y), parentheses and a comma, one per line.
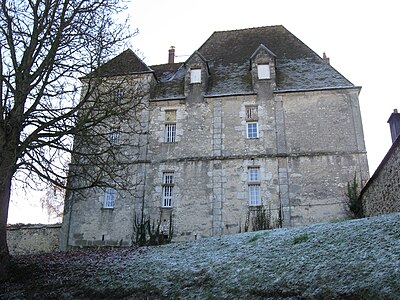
(170,133)
(254,186)
(118,95)
(109,198)
(170,115)
(114,137)
(167,189)
(251,113)
(254,174)
(195,76)
(252,130)
(170,126)
(263,71)
(254,195)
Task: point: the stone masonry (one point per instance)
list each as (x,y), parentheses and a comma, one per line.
(224,139)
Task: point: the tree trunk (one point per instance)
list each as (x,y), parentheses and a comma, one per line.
(5,190)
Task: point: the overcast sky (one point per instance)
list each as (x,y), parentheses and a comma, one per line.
(360,37)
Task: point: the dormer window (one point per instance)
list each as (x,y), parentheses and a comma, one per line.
(195,76)
(263,71)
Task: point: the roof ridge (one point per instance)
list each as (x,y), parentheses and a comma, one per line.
(250,28)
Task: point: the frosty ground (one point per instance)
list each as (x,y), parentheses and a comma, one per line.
(356,259)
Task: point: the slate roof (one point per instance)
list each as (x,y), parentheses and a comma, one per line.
(228,56)
(125,63)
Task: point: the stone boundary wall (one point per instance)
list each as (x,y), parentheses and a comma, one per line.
(29,239)
(381,194)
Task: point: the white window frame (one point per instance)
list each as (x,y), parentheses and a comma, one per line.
(167,189)
(110,195)
(119,95)
(170,133)
(253,174)
(263,71)
(254,194)
(195,76)
(114,137)
(249,133)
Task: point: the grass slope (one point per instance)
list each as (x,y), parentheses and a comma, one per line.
(357,259)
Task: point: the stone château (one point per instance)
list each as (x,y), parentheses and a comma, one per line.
(253,118)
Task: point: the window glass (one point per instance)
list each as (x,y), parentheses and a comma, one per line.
(252,130)
(195,76)
(263,71)
(170,133)
(254,173)
(118,95)
(114,137)
(109,197)
(167,189)
(254,194)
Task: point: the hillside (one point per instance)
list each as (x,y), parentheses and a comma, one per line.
(357,259)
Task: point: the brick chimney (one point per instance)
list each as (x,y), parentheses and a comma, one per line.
(326,58)
(171,55)
(394,123)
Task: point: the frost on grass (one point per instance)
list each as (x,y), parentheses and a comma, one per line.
(358,259)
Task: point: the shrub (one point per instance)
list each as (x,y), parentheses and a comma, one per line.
(354,200)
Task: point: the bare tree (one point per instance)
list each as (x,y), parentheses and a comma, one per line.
(53,202)
(45,46)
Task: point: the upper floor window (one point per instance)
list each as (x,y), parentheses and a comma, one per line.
(109,198)
(167,189)
(170,133)
(263,71)
(170,115)
(170,126)
(195,76)
(114,137)
(118,95)
(252,130)
(251,113)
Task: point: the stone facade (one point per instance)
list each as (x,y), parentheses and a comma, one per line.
(30,239)
(381,193)
(231,140)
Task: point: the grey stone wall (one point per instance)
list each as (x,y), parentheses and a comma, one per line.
(30,239)
(308,148)
(381,194)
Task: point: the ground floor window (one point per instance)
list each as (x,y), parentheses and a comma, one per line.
(254,195)
(167,189)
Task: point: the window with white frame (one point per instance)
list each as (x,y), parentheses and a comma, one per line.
(254,174)
(252,130)
(118,95)
(170,126)
(195,76)
(114,137)
(254,195)
(167,189)
(254,186)
(263,71)
(109,198)
(170,133)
